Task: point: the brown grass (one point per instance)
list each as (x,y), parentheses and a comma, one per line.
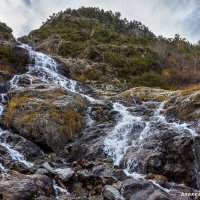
(6,69)
(190,89)
(69,121)
(13,104)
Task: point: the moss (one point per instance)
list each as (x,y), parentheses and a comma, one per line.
(13,104)
(28,117)
(190,89)
(69,121)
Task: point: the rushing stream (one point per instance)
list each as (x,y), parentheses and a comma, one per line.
(117,141)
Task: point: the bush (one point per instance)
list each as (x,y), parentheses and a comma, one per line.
(152,79)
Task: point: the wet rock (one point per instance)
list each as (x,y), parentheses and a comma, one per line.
(111,193)
(22,145)
(17,186)
(167,154)
(107,170)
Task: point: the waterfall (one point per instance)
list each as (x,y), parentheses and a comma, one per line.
(117,142)
(130,122)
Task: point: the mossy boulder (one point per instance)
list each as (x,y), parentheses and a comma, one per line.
(45,114)
(5,32)
(186,107)
(146,94)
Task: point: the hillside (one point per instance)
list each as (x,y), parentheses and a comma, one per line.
(127,49)
(73,124)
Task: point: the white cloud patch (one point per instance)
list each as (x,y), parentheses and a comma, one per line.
(163,17)
(25,15)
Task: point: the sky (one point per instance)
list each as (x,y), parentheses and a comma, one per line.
(163,17)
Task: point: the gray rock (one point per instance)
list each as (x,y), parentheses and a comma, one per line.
(111,193)
(47,166)
(158,195)
(42,171)
(64,174)
(18,186)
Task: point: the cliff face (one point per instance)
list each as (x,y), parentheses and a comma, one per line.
(13,59)
(77,127)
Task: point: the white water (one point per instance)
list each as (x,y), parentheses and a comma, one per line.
(46,69)
(15,155)
(117,142)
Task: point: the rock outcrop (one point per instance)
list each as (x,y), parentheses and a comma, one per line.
(18,186)
(45,114)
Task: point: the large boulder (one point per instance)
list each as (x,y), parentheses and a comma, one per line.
(185,107)
(16,186)
(139,94)
(45,114)
(17,153)
(145,190)
(172,156)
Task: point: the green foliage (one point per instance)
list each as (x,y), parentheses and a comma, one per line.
(5,31)
(129,48)
(67,48)
(151,79)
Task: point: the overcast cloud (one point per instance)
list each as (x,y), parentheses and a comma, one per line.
(163,17)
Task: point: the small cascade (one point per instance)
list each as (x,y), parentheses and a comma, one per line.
(15,155)
(117,142)
(45,68)
(89,120)
(158,118)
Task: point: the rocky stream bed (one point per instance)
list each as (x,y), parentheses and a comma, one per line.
(59,140)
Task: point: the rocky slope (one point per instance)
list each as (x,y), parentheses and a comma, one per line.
(64,139)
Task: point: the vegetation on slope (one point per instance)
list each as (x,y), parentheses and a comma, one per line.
(12,58)
(136,55)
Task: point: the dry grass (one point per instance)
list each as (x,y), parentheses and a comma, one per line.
(190,89)
(13,104)
(69,121)
(6,69)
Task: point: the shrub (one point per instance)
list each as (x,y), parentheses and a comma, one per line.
(152,79)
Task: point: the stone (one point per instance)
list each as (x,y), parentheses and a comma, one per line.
(45,114)
(48,167)
(18,186)
(42,171)
(64,173)
(111,193)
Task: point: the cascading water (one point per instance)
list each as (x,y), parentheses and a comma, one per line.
(45,68)
(15,155)
(130,122)
(118,141)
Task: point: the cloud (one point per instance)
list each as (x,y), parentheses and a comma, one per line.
(163,17)
(25,15)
